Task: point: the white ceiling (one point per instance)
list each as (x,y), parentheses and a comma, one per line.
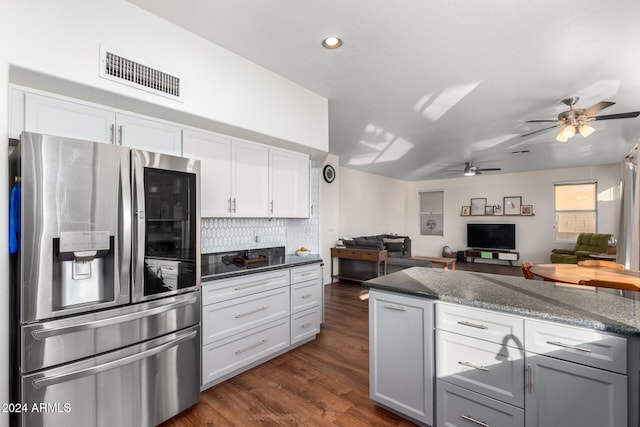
(421,86)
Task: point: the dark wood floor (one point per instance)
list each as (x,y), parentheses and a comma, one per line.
(322,383)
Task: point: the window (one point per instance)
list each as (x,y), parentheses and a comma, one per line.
(431,213)
(576,210)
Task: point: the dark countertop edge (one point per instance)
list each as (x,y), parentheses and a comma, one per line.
(615,328)
(288,264)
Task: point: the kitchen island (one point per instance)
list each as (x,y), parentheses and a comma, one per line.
(485,349)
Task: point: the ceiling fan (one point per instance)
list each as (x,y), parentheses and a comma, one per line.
(576,120)
(470,170)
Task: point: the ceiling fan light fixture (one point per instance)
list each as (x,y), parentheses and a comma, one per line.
(561,137)
(332,42)
(586,130)
(469,172)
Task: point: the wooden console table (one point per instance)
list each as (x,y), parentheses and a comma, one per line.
(378,257)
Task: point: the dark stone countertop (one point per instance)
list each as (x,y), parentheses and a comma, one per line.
(289,261)
(602,309)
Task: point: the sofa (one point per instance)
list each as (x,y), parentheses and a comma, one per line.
(398,253)
(586,244)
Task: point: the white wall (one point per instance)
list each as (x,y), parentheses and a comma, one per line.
(371,204)
(61,39)
(329,214)
(535,234)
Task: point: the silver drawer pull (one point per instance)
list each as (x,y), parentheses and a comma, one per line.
(252,312)
(242,350)
(572,347)
(473,420)
(307,274)
(306,296)
(471,365)
(473,325)
(306,325)
(395,307)
(529,380)
(250,285)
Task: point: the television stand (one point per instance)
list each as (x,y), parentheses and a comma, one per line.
(472,254)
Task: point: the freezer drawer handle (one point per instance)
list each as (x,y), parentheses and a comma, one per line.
(44,382)
(257,310)
(572,347)
(473,420)
(50,332)
(471,365)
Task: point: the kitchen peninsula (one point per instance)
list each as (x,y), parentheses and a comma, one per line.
(499,350)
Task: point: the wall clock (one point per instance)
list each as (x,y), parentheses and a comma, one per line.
(329,173)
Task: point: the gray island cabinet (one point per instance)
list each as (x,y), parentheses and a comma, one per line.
(451,348)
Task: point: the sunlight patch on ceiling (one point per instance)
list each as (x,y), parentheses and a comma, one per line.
(389,147)
(443,102)
(492,142)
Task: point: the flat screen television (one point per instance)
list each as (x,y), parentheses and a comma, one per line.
(491,236)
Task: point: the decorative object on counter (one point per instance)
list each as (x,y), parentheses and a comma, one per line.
(303,251)
(512,205)
(478,205)
(466,211)
(526,210)
(250,260)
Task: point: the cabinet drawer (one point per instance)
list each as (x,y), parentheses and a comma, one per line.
(305,325)
(486,325)
(237,351)
(306,273)
(305,295)
(492,369)
(227,318)
(358,254)
(222,290)
(464,408)
(574,344)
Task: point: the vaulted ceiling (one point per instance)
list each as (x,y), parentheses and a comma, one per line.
(419,87)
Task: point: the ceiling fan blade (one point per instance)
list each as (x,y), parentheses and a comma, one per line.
(541,121)
(629,115)
(598,107)
(539,130)
(489,169)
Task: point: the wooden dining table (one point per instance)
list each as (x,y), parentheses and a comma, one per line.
(573,273)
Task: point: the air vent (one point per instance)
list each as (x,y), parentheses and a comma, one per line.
(125,70)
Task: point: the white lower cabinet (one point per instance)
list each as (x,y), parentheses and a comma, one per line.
(248,319)
(401,354)
(459,407)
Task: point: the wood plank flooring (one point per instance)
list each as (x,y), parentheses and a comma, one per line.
(322,383)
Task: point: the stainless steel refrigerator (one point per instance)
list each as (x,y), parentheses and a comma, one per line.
(105,284)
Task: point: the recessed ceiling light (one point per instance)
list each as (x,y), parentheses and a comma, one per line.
(332,42)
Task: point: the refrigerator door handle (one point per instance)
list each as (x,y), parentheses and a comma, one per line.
(138,236)
(61,330)
(44,382)
(124,228)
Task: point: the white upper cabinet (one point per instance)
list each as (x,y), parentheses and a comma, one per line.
(52,116)
(214,153)
(288,184)
(249,179)
(149,135)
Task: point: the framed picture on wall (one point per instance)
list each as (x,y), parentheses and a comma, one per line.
(497,209)
(488,210)
(478,205)
(526,210)
(512,205)
(466,211)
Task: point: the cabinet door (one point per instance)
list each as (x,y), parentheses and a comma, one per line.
(52,116)
(149,135)
(561,393)
(250,179)
(288,184)
(401,354)
(214,153)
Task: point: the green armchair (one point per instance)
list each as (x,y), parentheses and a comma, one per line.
(587,243)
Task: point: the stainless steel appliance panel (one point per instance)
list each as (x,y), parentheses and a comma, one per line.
(166,225)
(60,341)
(141,385)
(76,206)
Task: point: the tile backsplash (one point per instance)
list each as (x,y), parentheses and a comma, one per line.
(229,234)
